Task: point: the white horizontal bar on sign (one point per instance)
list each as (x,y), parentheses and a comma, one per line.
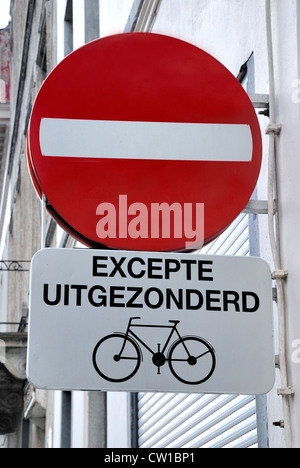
(145,140)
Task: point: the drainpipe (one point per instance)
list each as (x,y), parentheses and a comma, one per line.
(279,274)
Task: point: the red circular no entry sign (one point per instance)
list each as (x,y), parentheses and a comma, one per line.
(143,142)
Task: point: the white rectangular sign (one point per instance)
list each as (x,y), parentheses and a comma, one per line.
(132,321)
(145,140)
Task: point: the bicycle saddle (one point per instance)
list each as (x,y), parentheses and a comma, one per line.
(174,321)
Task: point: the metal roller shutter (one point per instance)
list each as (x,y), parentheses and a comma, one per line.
(206,421)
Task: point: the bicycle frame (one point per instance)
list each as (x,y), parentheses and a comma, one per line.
(129,332)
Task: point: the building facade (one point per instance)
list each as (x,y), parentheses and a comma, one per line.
(258,41)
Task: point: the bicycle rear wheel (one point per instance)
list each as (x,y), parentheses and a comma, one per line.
(116,358)
(192,360)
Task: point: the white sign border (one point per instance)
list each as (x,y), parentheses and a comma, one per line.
(49,367)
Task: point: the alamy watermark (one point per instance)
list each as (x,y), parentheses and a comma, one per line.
(296,352)
(159,220)
(296,92)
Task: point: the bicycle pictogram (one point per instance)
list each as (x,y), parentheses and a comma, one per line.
(191,359)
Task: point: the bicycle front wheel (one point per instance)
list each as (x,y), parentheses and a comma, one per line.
(192,360)
(116,358)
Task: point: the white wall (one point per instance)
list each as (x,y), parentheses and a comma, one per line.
(118,412)
(78,428)
(61,8)
(78,23)
(113,16)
